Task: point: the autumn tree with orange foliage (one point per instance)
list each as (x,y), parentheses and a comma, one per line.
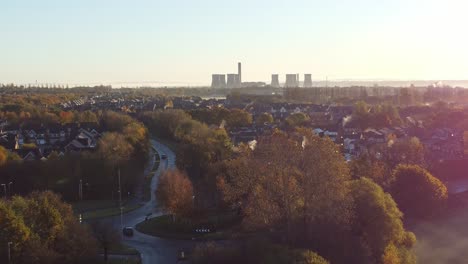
(175,193)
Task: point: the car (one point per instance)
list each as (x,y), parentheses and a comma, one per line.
(128,231)
(183,255)
(163,156)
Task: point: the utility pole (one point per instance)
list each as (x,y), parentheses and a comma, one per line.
(120,199)
(80,190)
(9,252)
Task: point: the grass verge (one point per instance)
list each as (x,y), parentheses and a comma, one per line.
(122,249)
(222,227)
(95,209)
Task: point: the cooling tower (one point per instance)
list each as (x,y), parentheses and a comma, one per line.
(233,81)
(275,80)
(307,80)
(218,81)
(291,81)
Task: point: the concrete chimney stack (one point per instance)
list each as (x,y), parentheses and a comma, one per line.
(239,72)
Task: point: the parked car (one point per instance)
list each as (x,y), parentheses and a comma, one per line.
(163,156)
(128,231)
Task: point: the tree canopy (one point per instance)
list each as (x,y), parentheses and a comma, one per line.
(175,193)
(43,229)
(417,192)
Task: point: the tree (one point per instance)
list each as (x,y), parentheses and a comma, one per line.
(114,148)
(406,151)
(115,122)
(264,118)
(66,117)
(297,119)
(44,229)
(325,186)
(310,257)
(417,192)
(371,168)
(3,155)
(87,117)
(238,118)
(378,226)
(175,193)
(12,229)
(106,236)
(361,115)
(302,191)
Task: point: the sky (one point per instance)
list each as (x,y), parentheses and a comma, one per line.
(183,42)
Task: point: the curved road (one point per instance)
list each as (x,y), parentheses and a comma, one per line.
(152,249)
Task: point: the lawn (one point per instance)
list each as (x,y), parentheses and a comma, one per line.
(94,209)
(122,249)
(124,261)
(221,227)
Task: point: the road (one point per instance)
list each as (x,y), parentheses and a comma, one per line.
(152,249)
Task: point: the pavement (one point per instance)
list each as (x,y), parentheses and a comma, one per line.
(152,249)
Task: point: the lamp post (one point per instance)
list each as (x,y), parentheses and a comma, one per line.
(80,190)
(120,200)
(4,189)
(9,188)
(9,252)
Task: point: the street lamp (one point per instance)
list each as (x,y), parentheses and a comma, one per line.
(9,188)
(4,189)
(9,252)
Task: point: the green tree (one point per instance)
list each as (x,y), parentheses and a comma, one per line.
(12,229)
(264,118)
(238,118)
(361,115)
(406,151)
(44,229)
(297,119)
(371,168)
(417,192)
(87,117)
(379,227)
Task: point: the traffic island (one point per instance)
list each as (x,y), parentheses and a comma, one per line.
(207,228)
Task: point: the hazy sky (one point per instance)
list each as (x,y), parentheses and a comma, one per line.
(111,41)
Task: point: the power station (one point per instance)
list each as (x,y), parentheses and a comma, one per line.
(234,80)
